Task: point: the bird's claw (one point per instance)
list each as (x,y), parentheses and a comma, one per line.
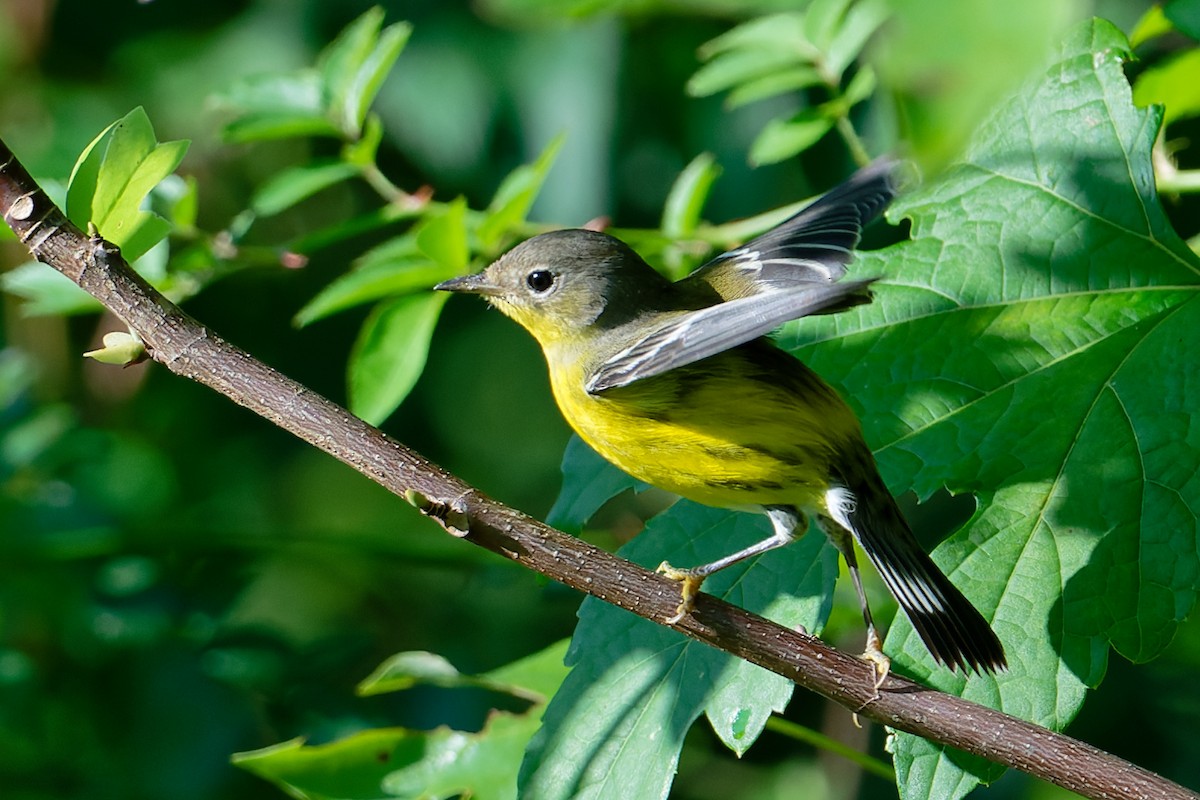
(689,585)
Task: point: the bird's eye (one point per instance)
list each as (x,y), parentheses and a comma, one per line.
(540,280)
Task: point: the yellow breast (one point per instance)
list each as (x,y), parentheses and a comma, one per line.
(748,427)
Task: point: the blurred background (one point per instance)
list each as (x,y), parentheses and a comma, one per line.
(180,581)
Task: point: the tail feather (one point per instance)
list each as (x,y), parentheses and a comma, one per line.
(954,631)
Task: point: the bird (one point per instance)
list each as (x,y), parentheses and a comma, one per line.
(678,384)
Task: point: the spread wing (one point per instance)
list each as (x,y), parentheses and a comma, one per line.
(693,335)
(811,247)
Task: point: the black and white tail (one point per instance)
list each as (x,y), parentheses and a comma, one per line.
(954,631)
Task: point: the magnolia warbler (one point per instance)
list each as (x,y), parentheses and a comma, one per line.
(676,384)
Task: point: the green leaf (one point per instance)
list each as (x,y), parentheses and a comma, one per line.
(685,201)
(371,73)
(588,483)
(783,138)
(284,189)
(861,21)
(533,678)
(780,32)
(736,67)
(618,722)
(1154,23)
(354,65)
(1034,344)
(1172,84)
(372,280)
(443,238)
(47,291)
(279,106)
(390,353)
(823,20)
(860,86)
(510,207)
(112,178)
(403,763)
(778,82)
(399,763)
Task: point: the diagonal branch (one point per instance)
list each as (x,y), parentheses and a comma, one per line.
(187,348)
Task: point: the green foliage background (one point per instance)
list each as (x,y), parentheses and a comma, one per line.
(179,581)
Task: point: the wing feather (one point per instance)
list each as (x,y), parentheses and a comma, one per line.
(811,247)
(693,335)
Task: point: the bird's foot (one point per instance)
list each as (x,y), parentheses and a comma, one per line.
(874,654)
(689,585)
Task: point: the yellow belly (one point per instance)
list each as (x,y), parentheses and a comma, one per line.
(739,429)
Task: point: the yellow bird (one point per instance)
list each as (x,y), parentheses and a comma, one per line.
(676,384)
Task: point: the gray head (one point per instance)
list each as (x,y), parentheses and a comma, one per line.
(558,284)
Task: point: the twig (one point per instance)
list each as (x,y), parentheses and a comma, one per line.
(189,349)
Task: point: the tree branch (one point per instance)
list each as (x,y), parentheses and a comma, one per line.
(189,349)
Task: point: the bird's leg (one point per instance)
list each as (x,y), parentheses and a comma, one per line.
(785,520)
(873,653)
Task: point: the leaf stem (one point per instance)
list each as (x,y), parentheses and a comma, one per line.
(817,739)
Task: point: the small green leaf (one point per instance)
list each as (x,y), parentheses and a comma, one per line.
(588,483)
(783,138)
(112,178)
(286,188)
(685,201)
(1172,83)
(363,151)
(397,763)
(270,126)
(390,353)
(405,670)
(354,66)
(341,59)
(861,21)
(510,207)
(780,32)
(534,678)
(47,291)
(778,82)
(179,197)
(1154,23)
(444,238)
(823,20)
(280,106)
(372,281)
(860,87)
(736,67)
(371,73)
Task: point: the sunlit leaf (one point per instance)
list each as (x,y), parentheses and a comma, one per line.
(400,763)
(443,237)
(515,197)
(390,353)
(685,201)
(783,138)
(1069,415)
(284,189)
(635,688)
(112,178)
(588,483)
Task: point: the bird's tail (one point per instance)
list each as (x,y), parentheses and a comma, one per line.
(954,631)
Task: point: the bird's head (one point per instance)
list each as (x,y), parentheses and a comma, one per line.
(560,284)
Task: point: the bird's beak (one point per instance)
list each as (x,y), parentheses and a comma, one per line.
(469,284)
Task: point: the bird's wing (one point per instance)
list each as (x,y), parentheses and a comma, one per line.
(811,247)
(694,335)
